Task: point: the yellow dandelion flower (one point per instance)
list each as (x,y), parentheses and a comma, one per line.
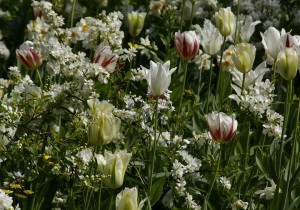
(46,157)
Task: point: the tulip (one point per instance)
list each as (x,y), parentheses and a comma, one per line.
(105,58)
(207,33)
(127,199)
(271,40)
(136,22)
(225,21)
(221,127)
(158,77)
(248,28)
(29,56)
(186,44)
(105,127)
(113,167)
(243,57)
(287,63)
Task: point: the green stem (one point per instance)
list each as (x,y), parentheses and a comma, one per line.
(237,22)
(216,173)
(220,76)
(192,14)
(40,78)
(209,84)
(182,12)
(99,197)
(183,85)
(199,82)
(243,84)
(72,13)
(153,147)
(285,121)
(274,73)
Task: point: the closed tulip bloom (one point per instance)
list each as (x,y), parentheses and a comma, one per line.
(243,57)
(208,33)
(136,22)
(221,127)
(225,21)
(158,77)
(127,199)
(29,56)
(287,63)
(113,167)
(105,58)
(104,127)
(186,44)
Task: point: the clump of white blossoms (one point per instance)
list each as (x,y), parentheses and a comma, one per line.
(273,125)
(257,99)
(225,182)
(238,204)
(268,192)
(5,201)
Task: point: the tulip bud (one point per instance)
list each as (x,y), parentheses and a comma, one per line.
(105,58)
(105,127)
(113,167)
(287,63)
(225,21)
(136,22)
(243,57)
(221,127)
(158,77)
(127,199)
(186,44)
(29,56)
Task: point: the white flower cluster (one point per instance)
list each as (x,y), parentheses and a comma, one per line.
(106,30)
(190,165)
(5,201)
(239,204)
(268,192)
(273,125)
(205,138)
(225,182)
(257,98)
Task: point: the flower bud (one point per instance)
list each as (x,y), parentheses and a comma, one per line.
(113,167)
(105,58)
(186,44)
(136,22)
(158,77)
(104,127)
(128,199)
(29,56)
(287,63)
(225,21)
(243,57)
(221,127)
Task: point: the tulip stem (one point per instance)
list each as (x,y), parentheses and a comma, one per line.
(183,85)
(216,173)
(287,105)
(209,85)
(72,13)
(237,22)
(40,79)
(220,76)
(243,84)
(182,12)
(153,147)
(274,73)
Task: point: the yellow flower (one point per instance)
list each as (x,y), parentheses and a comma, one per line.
(20,195)
(7,191)
(28,192)
(16,186)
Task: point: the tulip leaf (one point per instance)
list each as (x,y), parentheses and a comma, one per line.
(157,190)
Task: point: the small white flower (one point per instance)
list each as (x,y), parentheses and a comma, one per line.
(268,192)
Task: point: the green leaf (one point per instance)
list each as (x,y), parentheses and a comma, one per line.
(259,164)
(157,190)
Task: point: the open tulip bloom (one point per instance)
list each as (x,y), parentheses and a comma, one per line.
(105,58)
(158,77)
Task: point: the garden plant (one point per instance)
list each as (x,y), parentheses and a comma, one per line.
(149,104)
